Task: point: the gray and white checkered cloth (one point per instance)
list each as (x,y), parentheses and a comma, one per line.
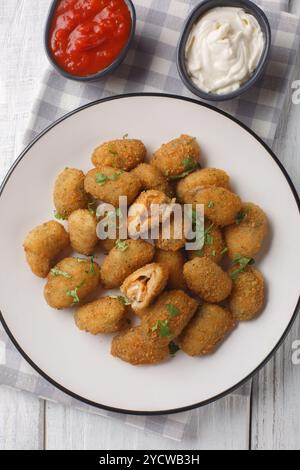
(151,67)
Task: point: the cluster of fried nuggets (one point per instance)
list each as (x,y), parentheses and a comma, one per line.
(184,299)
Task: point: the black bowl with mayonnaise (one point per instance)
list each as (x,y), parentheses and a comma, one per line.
(224,48)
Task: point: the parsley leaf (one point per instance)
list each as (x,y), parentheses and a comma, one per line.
(57,272)
(173,348)
(59,216)
(74,293)
(211,205)
(92,207)
(121,245)
(163,328)
(124,300)
(242,215)
(92,268)
(125,136)
(243,262)
(172,310)
(223,252)
(102,179)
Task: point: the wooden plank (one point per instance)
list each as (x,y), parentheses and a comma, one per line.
(223,425)
(21,421)
(21,26)
(276,403)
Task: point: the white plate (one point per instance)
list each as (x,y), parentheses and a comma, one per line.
(80,364)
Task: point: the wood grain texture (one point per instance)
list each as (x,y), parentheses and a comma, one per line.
(22,64)
(21,421)
(223,425)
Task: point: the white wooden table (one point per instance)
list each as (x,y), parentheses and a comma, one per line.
(269,420)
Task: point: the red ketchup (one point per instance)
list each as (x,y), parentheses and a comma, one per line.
(86,36)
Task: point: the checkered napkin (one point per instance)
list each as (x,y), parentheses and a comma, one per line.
(151,67)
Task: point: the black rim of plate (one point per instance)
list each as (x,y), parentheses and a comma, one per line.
(260,366)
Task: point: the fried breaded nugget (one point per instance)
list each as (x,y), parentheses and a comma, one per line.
(140,217)
(144,285)
(177,157)
(174,262)
(69,193)
(188,187)
(124,154)
(220,205)
(214,245)
(70,282)
(152,178)
(106,315)
(82,228)
(43,245)
(124,259)
(206,279)
(137,348)
(108,184)
(248,294)
(247,235)
(207,329)
(175,242)
(166,319)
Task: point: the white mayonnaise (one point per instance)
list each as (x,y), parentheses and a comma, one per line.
(224,49)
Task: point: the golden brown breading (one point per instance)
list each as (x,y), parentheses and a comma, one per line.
(69,194)
(247,235)
(104,316)
(140,217)
(108,184)
(125,260)
(206,279)
(220,205)
(144,285)
(43,245)
(173,243)
(177,157)
(166,319)
(70,282)
(82,228)
(152,178)
(124,154)
(189,186)
(207,329)
(137,348)
(174,262)
(248,294)
(214,244)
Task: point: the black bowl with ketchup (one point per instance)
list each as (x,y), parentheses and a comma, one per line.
(88,39)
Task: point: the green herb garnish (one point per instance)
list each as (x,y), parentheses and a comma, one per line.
(173,348)
(223,252)
(243,262)
(74,293)
(189,167)
(172,310)
(163,328)
(57,272)
(124,300)
(121,245)
(92,268)
(211,205)
(125,136)
(241,216)
(92,207)
(102,179)
(214,253)
(59,216)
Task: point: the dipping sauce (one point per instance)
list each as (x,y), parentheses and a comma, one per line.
(86,36)
(224,49)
